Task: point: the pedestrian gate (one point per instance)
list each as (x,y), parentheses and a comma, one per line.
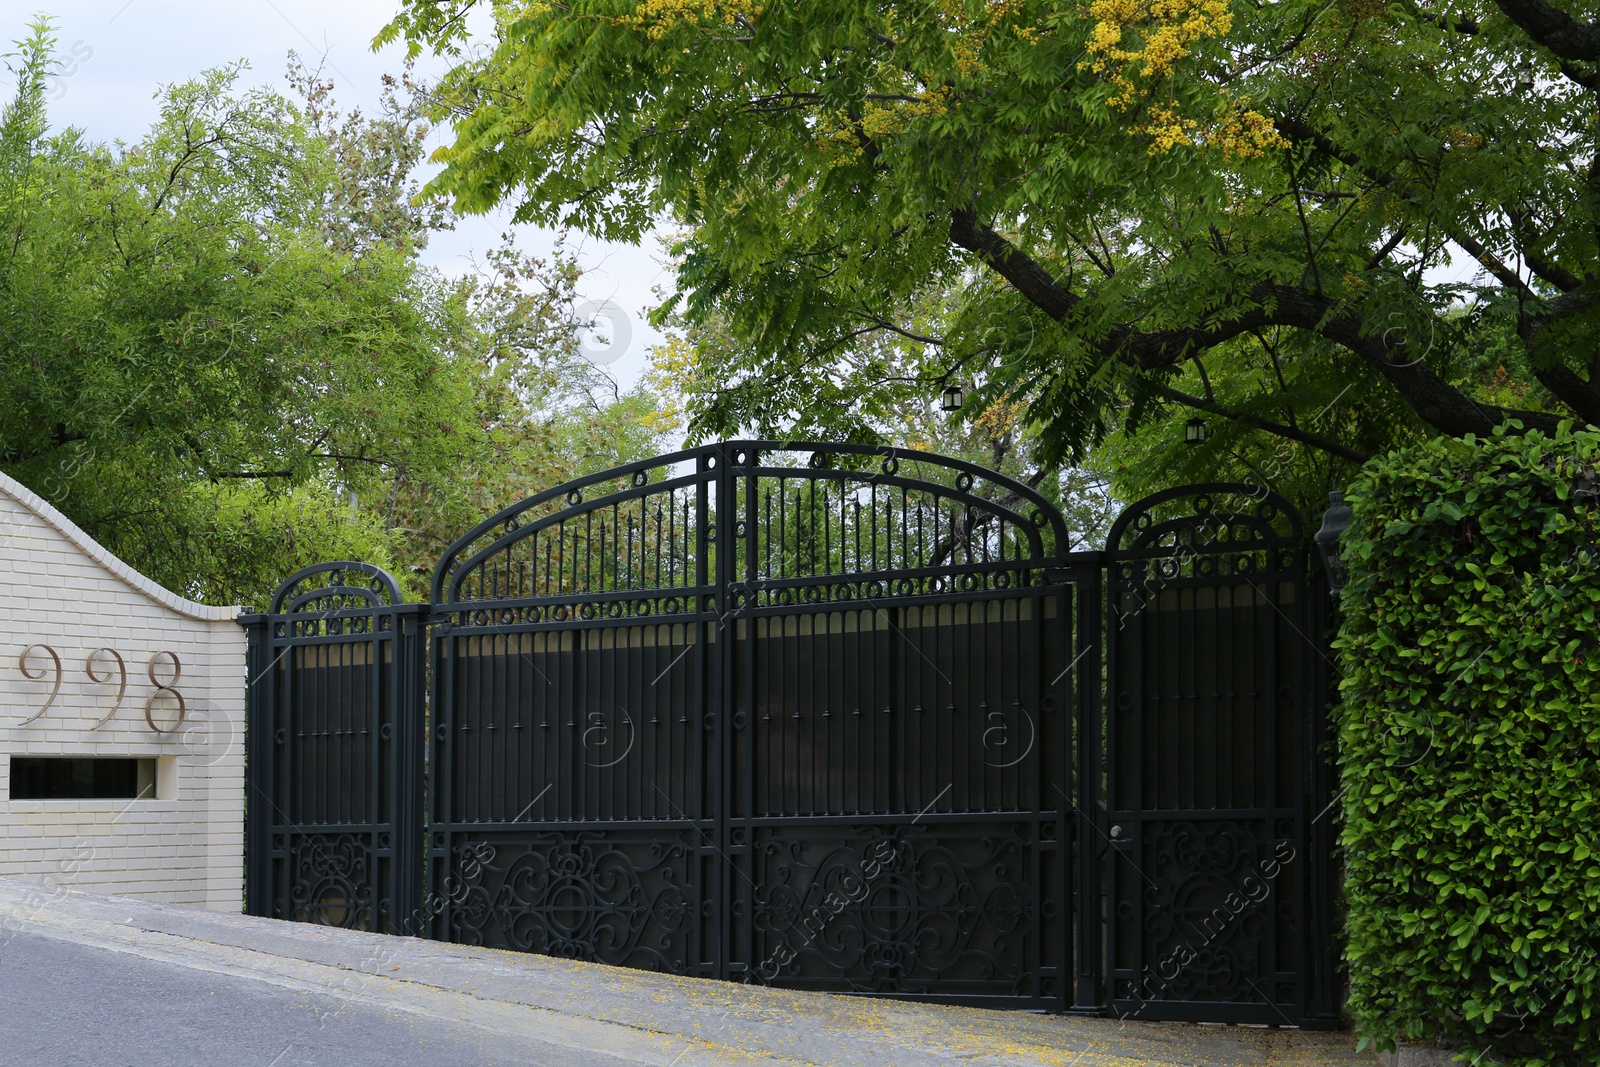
(826,717)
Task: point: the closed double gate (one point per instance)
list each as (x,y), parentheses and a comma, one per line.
(832,717)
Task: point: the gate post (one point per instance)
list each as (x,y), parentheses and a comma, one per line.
(1088,831)
(259,706)
(410,796)
(1322,1010)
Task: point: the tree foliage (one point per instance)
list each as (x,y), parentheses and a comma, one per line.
(993,432)
(221,355)
(1380,219)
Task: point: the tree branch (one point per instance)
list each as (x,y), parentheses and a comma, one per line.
(1434,400)
(1030,279)
(1554,28)
(1305,437)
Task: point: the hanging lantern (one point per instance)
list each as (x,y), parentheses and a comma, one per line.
(953,398)
(1335,521)
(1194,431)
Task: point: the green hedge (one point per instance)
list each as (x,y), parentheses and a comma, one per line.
(1469,731)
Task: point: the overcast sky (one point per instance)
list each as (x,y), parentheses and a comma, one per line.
(118,52)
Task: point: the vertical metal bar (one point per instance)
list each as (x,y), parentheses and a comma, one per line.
(715,785)
(745,643)
(1321,623)
(407,771)
(442,839)
(382,691)
(1093,628)
(259,728)
(893,714)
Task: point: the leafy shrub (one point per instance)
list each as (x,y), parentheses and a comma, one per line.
(1470,747)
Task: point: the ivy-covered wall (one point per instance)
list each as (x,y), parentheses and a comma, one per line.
(1469,733)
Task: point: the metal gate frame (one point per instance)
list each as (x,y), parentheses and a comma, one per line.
(723,600)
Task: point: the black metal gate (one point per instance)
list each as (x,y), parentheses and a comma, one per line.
(1216,889)
(826,717)
(747,713)
(333,822)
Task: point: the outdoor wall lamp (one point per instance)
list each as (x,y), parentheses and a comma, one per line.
(953,398)
(1587,491)
(1194,431)
(1335,521)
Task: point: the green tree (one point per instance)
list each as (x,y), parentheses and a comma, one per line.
(1257,212)
(221,355)
(875,390)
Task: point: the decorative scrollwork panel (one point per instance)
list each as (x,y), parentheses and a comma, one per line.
(330,880)
(1220,917)
(941,908)
(625,897)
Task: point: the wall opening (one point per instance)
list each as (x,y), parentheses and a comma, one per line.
(82,778)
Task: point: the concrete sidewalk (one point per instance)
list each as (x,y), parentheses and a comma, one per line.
(90,979)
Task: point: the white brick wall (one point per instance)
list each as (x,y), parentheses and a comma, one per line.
(60,588)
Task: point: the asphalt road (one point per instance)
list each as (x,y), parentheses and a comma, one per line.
(66,1003)
(97,981)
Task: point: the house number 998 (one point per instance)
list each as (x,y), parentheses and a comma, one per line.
(105,666)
